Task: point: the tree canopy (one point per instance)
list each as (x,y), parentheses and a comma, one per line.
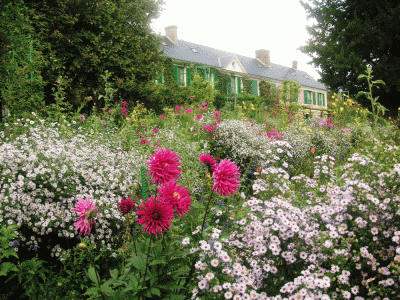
(347,36)
(81,39)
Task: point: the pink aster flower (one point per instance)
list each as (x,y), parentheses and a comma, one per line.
(204,103)
(162,117)
(156,214)
(207,159)
(177,196)
(226,178)
(155,129)
(189,110)
(124,109)
(177,107)
(126,205)
(164,166)
(124,103)
(86,216)
(199,117)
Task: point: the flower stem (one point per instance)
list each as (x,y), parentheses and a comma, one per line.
(147,260)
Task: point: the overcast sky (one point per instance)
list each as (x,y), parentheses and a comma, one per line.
(242,27)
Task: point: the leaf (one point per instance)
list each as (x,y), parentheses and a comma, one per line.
(156,291)
(6,267)
(114,273)
(157,262)
(378,81)
(92,275)
(139,261)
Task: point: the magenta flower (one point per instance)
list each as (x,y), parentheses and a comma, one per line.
(126,205)
(124,109)
(164,166)
(199,117)
(86,216)
(162,117)
(144,142)
(177,196)
(156,214)
(124,103)
(177,107)
(207,159)
(226,178)
(125,115)
(189,110)
(204,103)
(155,129)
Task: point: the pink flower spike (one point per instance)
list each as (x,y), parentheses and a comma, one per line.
(164,166)
(86,216)
(226,178)
(176,196)
(156,214)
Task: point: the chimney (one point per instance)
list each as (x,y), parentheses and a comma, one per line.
(171,32)
(294,65)
(264,56)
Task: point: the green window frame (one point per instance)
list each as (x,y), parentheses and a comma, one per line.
(239,85)
(314,99)
(188,77)
(307,97)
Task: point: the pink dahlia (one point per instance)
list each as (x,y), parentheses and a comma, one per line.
(164,166)
(207,159)
(126,205)
(156,214)
(177,196)
(86,216)
(226,178)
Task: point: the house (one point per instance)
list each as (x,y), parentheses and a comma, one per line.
(312,93)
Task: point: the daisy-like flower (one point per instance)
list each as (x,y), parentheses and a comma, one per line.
(164,166)
(226,178)
(156,214)
(126,205)
(87,213)
(177,196)
(207,159)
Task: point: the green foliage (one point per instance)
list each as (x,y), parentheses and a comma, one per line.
(202,91)
(268,92)
(289,91)
(346,35)
(21,61)
(7,234)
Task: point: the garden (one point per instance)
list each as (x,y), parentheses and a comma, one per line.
(246,200)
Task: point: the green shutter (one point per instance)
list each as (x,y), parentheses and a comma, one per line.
(160,79)
(323,100)
(314,100)
(305,97)
(254,88)
(188,77)
(176,73)
(215,81)
(239,84)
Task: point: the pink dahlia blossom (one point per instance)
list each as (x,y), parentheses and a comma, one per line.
(86,216)
(156,214)
(207,159)
(164,166)
(126,205)
(177,196)
(226,178)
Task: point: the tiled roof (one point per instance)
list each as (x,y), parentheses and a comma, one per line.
(196,53)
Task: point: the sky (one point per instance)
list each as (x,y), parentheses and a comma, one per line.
(242,27)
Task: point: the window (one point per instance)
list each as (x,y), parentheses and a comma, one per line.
(307,97)
(182,76)
(321,99)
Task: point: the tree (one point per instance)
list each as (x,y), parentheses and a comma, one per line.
(349,35)
(82,39)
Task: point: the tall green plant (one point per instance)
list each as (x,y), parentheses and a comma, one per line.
(377,108)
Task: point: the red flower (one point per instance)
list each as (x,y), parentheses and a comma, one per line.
(164,166)
(156,214)
(226,178)
(126,205)
(208,159)
(177,196)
